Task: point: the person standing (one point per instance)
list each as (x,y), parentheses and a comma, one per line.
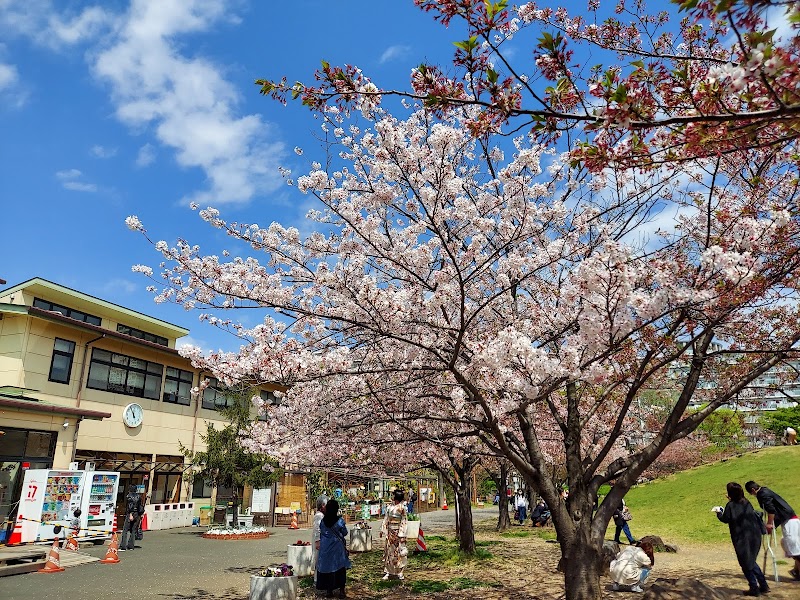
(621,517)
(632,566)
(412,498)
(133,512)
(395,553)
(780,514)
(315,539)
(521,506)
(332,562)
(745,527)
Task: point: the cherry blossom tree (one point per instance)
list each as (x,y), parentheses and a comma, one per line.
(506,301)
(698,79)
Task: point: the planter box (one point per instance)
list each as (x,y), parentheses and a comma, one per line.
(360,540)
(412,531)
(301,559)
(273,588)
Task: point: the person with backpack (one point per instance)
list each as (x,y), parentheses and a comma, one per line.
(133,513)
(412,497)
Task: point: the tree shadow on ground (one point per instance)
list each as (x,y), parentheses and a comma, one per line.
(200,594)
(251,570)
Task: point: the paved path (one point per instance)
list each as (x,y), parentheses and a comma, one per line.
(177,564)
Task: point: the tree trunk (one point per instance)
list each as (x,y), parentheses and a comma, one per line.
(503,518)
(464,528)
(582,565)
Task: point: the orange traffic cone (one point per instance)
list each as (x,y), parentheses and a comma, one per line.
(112,554)
(53,564)
(294,524)
(71,543)
(16,535)
(421,545)
(444,503)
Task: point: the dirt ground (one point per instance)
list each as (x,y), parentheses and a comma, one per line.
(524,568)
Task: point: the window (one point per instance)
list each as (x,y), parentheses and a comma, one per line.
(61,365)
(270,399)
(201,488)
(178,386)
(67,312)
(142,335)
(217,396)
(124,375)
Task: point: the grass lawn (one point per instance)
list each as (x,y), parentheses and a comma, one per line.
(678,508)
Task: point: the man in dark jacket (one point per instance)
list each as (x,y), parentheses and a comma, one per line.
(780,514)
(133,512)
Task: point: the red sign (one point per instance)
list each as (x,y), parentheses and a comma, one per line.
(26,466)
(94,509)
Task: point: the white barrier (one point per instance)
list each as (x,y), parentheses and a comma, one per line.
(169,515)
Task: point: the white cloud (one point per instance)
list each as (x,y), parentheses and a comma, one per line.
(146,156)
(191,341)
(103,152)
(12,94)
(79,186)
(8,76)
(393,53)
(68,174)
(119,286)
(41,21)
(187,100)
(69,181)
(155,84)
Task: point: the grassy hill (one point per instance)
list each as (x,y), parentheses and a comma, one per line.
(678,508)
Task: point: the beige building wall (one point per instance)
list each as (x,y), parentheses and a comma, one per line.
(18,419)
(26,352)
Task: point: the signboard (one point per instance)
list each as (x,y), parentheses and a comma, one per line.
(262,500)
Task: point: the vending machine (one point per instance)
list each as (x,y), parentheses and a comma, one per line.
(50,497)
(99,502)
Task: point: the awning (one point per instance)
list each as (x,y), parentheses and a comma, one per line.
(33,405)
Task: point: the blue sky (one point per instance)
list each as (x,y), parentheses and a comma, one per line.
(115,108)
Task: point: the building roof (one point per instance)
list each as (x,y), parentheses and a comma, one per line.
(59,293)
(11,397)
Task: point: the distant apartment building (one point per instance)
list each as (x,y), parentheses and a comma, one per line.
(88,381)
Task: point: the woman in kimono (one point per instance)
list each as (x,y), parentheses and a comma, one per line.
(394,527)
(315,537)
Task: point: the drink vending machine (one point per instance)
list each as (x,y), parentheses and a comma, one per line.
(50,497)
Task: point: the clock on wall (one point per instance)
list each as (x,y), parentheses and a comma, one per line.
(132,415)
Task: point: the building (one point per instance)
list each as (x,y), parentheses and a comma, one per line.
(85,380)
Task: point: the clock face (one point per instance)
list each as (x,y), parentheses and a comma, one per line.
(132,415)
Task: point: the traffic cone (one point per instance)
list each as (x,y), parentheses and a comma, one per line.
(71,543)
(112,554)
(294,524)
(444,503)
(16,535)
(53,564)
(421,546)
(144,522)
